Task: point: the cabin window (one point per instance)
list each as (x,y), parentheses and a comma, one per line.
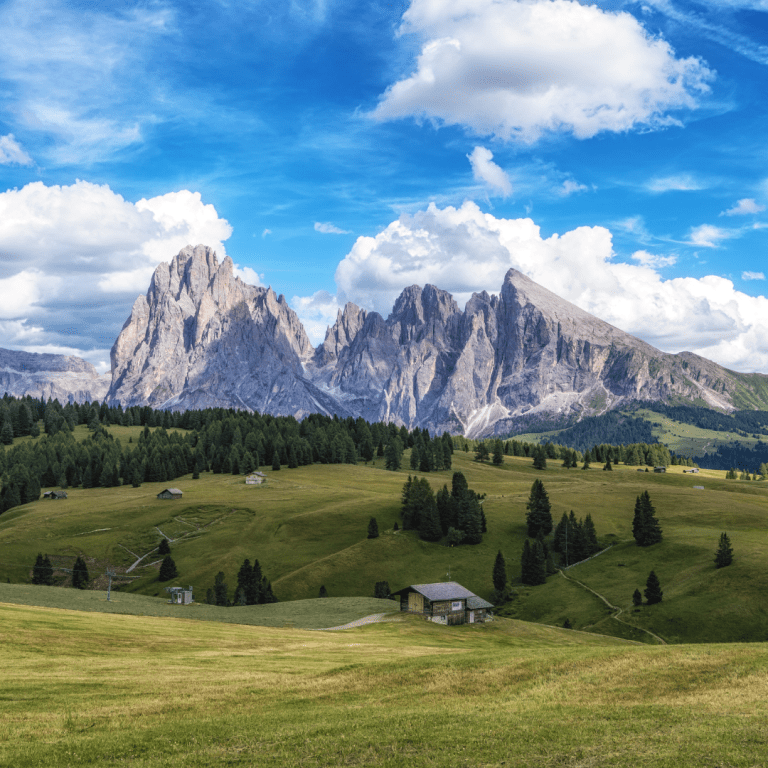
(456,605)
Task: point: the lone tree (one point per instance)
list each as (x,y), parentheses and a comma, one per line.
(381,590)
(80,577)
(164,548)
(724,554)
(220,589)
(168,569)
(539,515)
(637,598)
(500,573)
(645,526)
(373,529)
(323,591)
(533,564)
(653,593)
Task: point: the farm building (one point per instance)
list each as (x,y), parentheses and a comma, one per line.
(169,493)
(255,478)
(660,470)
(445,603)
(55,495)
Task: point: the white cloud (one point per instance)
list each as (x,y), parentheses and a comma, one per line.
(316,313)
(11,152)
(653,260)
(518,70)
(744,207)
(327,228)
(485,170)
(248,275)
(76,256)
(464,250)
(266,232)
(708,236)
(680,183)
(753,276)
(569,187)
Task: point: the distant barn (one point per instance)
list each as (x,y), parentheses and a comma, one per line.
(55,495)
(255,478)
(169,493)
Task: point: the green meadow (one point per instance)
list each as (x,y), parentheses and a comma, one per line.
(83,688)
(308,528)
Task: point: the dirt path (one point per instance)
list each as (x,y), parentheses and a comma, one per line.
(616,608)
(374,618)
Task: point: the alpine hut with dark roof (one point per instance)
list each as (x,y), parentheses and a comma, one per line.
(445,603)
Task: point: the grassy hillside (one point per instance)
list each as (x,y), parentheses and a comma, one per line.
(308,528)
(92,689)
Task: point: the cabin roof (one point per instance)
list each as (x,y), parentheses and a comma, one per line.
(446,590)
(473,603)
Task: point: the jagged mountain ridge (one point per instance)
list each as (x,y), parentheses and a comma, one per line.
(201,337)
(63,377)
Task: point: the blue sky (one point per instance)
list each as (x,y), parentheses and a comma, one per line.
(340,151)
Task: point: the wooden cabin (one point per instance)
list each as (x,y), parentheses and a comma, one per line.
(445,603)
(660,470)
(169,493)
(255,478)
(55,495)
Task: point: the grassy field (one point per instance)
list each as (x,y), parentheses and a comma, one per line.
(308,527)
(84,689)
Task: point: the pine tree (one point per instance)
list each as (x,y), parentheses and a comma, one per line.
(539,515)
(164,548)
(38,570)
(637,598)
(645,527)
(724,554)
(608,466)
(276,460)
(481,452)
(167,569)
(533,562)
(80,577)
(498,453)
(220,589)
(653,593)
(499,573)
(539,458)
(323,591)
(373,529)
(381,590)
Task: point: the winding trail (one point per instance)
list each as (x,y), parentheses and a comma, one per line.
(616,608)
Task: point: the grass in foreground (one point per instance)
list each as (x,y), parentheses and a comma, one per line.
(85,689)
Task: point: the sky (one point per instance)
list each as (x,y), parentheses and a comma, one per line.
(342,150)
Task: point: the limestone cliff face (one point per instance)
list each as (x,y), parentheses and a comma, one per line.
(60,377)
(201,337)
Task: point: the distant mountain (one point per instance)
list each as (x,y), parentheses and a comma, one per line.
(201,337)
(63,377)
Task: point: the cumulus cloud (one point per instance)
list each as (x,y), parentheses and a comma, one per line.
(752,276)
(708,236)
(11,152)
(316,313)
(744,207)
(464,250)
(679,183)
(76,256)
(492,175)
(248,275)
(653,259)
(327,228)
(518,70)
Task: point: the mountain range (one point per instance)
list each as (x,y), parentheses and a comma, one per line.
(201,338)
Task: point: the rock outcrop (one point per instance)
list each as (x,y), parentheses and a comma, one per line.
(61,377)
(201,337)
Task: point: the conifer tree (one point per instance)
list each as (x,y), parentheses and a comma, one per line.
(499,573)
(276,460)
(539,458)
(381,590)
(323,591)
(168,569)
(724,553)
(637,598)
(80,577)
(164,548)
(539,516)
(533,562)
(653,593)
(220,589)
(373,529)
(645,527)
(498,453)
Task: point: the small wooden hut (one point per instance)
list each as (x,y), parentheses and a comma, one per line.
(169,493)
(445,603)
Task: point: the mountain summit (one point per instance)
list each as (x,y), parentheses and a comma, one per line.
(202,338)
